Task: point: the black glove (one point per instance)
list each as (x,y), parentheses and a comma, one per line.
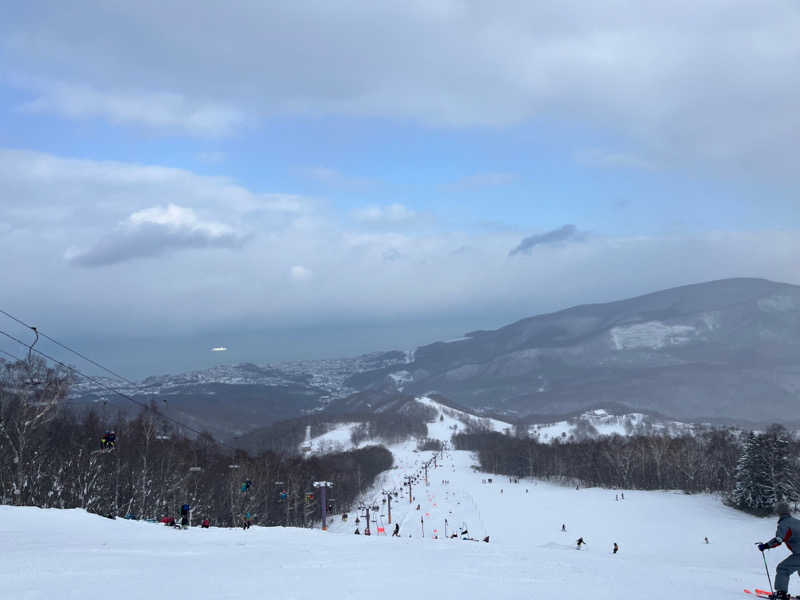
(763,547)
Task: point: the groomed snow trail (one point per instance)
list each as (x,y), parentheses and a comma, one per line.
(68,554)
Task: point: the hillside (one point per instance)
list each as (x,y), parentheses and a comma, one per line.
(724,351)
(53,553)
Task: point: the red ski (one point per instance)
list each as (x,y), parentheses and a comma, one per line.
(765,594)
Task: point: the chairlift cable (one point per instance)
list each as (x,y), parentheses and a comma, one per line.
(107,387)
(67,348)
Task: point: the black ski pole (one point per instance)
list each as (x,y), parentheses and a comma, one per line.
(766,568)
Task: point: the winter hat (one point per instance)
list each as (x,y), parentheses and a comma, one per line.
(782,508)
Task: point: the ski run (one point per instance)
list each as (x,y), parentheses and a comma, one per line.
(69,554)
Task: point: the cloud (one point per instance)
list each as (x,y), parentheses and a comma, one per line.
(360,275)
(154,232)
(168,111)
(562,234)
(712,88)
(300,273)
(391,214)
(219,349)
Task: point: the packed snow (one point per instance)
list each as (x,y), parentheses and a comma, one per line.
(451,420)
(69,554)
(598,423)
(653,334)
(338,439)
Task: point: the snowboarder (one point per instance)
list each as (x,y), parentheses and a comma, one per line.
(396,532)
(580,543)
(616,548)
(788,533)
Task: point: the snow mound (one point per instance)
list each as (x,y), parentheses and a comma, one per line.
(599,423)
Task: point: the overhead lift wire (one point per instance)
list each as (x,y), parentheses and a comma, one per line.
(67,348)
(103,385)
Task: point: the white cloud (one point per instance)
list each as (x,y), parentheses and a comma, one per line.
(207,278)
(156,110)
(178,217)
(300,273)
(706,81)
(153,232)
(389,214)
(219,349)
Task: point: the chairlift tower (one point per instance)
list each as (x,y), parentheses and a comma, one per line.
(323,485)
(306,447)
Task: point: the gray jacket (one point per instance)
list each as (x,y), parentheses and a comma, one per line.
(788,533)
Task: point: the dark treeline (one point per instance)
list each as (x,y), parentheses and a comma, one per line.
(705,462)
(50,457)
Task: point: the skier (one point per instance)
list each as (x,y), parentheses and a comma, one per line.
(580,543)
(564,527)
(396,532)
(706,539)
(616,548)
(788,533)
(206,523)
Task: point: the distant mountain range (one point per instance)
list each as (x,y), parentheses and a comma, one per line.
(726,350)
(723,351)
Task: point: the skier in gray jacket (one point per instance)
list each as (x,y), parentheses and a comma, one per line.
(788,533)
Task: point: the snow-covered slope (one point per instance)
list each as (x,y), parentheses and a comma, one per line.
(447,422)
(451,420)
(337,439)
(598,423)
(69,554)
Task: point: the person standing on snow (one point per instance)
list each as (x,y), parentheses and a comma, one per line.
(788,533)
(616,548)
(396,532)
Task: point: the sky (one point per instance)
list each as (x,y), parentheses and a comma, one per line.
(318,179)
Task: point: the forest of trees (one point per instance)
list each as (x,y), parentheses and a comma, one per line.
(50,457)
(751,476)
(766,472)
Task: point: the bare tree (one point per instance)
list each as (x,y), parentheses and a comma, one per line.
(30,393)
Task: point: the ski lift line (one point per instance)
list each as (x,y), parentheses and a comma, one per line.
(67,348)
(108,388)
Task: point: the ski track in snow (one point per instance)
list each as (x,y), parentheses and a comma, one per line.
(69,554)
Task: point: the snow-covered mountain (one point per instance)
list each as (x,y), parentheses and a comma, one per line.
(721,351)
(724,352)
